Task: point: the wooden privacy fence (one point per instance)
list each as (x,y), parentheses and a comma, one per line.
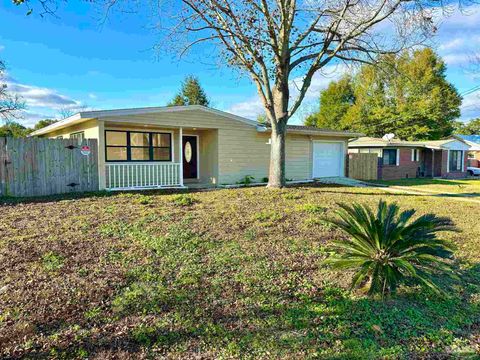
(37,166)
(363,166)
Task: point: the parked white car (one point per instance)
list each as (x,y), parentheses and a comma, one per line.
(474,171)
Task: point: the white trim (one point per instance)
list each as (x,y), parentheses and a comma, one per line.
(415,155)
(96,114)
(448,161)
(180,153)
(198,152)
(398,157)
(172,138)
(344,154)
(463,161)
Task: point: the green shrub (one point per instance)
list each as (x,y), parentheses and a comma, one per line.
(52,261)
(265,179)
(184,200)
(247,180)
(389,247)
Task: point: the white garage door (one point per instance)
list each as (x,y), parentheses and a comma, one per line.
(327,159)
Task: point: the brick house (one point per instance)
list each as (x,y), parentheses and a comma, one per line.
(398,159)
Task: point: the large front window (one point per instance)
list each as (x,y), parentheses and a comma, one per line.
(390,157)
(456,159)
(137,146)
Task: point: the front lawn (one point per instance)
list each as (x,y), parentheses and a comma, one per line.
(461,186)
(219,274)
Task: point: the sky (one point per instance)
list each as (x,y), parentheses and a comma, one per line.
(74,61)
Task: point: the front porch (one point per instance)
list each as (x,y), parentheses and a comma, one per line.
(153,157)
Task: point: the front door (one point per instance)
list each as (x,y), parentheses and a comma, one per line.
(190,157)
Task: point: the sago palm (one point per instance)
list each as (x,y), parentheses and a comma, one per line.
(387,247)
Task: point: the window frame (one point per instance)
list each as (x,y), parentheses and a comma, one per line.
(450,161)
(73,136)
(415,155)
(150,146)
(396,157)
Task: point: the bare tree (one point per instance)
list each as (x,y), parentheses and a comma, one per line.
(283,42)
(68,111)
(10,104)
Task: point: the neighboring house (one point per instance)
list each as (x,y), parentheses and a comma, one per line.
(177,146)
(474,152)
(411,159)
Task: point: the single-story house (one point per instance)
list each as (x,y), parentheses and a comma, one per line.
(184,145)
(474,152)
(400,159)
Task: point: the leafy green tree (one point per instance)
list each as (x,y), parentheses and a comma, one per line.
(275,42)
(335,101)
(387,247)
(191,93)
(14,129)
(470,128)
(407,94)
(44,123)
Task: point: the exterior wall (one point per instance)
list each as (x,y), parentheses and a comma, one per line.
(229,149)
(453,174)
(405,169)
(247,152)
(426,157)
(207,145)
(90,128)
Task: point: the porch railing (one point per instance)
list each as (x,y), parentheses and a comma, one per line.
(128,176)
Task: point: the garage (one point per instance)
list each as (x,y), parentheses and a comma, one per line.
(328,159)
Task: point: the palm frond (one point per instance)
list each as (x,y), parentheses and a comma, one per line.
(387,246)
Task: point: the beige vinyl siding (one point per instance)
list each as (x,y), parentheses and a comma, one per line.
(207,143)
(247,152)
(90,129)
(229,149)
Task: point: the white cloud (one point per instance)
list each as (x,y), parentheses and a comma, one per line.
(30,118)
(457,59)
(92,96)
(252,107)
(2,47)
(40,97)
(40,102)
(471,106)
(452,44)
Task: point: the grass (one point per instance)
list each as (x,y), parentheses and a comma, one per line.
(225,274)
(463,186)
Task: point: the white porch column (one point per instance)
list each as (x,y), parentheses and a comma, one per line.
(180,154)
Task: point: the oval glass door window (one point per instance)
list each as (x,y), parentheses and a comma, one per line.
(188,152)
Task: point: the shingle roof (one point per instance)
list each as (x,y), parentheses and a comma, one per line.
(313,128)
(378,142)
(472,138)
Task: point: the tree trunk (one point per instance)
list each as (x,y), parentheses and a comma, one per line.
(276,178)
